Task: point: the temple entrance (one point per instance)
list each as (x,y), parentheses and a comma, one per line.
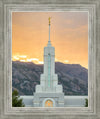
(48,103)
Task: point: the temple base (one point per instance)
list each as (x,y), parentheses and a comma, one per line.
(48,100)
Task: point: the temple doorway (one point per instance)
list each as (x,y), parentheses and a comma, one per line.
(48,103)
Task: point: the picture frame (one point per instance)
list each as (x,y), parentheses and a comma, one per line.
(7,111)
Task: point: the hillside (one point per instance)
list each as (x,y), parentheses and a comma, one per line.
(73,77)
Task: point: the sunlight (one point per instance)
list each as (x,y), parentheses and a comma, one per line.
(24,58)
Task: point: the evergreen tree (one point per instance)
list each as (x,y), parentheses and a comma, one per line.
(86,102)
(16,100)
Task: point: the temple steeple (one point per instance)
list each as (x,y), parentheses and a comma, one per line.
(49,90)
(49,42)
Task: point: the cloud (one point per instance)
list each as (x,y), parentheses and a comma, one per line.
(24,58)
(66,61)
(32,59)
(40,62)
(15,58)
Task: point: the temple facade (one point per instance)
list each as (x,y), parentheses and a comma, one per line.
(49,93)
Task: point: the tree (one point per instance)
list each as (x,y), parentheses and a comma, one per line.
(16,100)
(86,102)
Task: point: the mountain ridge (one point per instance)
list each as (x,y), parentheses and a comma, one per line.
(26,75)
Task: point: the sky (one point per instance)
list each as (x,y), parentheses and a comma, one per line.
(68,34)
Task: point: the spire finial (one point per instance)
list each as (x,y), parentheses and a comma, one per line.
(49,20)
(49,42)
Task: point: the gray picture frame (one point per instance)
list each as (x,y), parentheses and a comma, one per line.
(6,109)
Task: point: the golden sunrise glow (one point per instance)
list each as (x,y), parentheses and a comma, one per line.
(68,34)
(24,58)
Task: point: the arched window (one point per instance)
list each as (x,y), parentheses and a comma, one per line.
(48,103)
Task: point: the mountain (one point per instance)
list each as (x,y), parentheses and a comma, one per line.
(26,75)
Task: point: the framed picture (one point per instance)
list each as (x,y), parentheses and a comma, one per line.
(50,57)
(84,12)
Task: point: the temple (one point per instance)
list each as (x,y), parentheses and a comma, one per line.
(49,93)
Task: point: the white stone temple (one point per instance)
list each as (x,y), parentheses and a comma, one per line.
(49,93)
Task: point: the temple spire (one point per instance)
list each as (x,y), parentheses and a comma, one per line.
(49,42)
